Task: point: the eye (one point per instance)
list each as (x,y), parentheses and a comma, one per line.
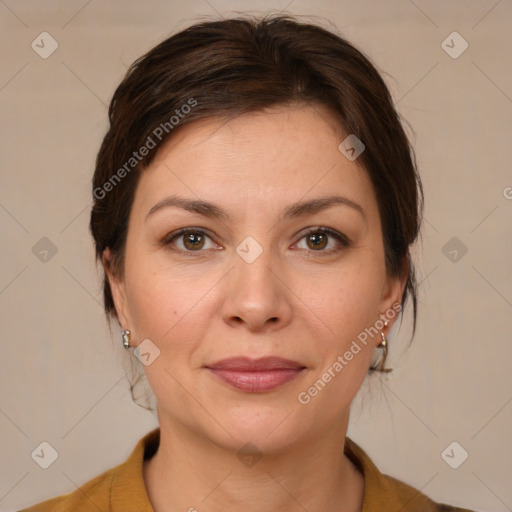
(317,240)
(193,239)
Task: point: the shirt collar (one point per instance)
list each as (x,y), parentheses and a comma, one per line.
(374,480)
(129,492)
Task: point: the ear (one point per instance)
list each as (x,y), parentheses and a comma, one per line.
(118,289)
(392,293)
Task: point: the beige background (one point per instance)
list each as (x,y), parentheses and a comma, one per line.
(61,371)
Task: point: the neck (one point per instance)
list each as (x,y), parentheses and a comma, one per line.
(189,472)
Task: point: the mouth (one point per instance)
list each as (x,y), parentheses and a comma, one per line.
(256,375)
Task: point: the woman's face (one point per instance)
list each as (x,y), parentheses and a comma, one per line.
(251,282)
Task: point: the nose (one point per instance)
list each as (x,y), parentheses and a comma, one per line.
(257,294)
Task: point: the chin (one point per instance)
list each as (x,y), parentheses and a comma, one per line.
(271,431)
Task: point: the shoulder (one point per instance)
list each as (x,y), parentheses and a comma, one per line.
(384,493)
(408,499)
(119,489)
(93,495)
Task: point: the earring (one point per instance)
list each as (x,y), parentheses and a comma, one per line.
(384,345)
(126,334)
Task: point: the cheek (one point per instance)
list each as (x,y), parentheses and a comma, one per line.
(153,305)
(345,300)
(167,304)
(346,305)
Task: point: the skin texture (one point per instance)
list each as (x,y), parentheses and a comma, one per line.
(294,301)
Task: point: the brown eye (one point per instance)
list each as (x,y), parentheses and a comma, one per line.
(193,240)
(317,240)
(188,240)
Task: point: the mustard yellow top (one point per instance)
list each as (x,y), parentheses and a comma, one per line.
(122,488)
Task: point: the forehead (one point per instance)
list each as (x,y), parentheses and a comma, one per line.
(260,132)
(259,159)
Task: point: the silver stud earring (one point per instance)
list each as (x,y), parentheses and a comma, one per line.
(126,334)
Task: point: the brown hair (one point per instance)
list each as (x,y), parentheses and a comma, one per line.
(233,66)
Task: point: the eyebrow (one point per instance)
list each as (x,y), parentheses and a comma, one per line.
(300,209)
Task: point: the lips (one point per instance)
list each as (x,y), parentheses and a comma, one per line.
(256,375)
(246,364)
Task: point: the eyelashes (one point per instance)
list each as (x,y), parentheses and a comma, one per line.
(340,238)
(196,240)
(168,241)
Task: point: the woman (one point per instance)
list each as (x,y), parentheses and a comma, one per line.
(255,199)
